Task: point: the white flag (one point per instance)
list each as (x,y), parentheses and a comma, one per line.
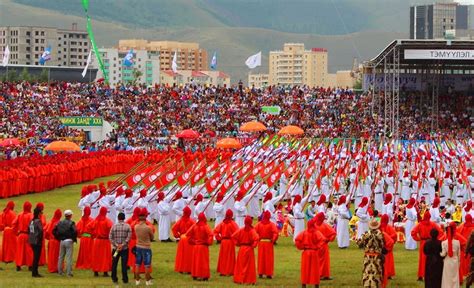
(6,56)
(84,72)
(254,60)
(174,65)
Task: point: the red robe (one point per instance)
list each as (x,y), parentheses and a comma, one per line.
(324,255)
(226,261)
(389,264)
(53,246)
(310,241)
(84,233)
(465,230)
(24,254)
(389,242)
(268,235)
(200,237)
(244,272)
(421,232)
(101,249)
(184,251)
(9,236)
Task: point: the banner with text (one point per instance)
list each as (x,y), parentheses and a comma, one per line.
(438,54)
(81,121)
(416,82)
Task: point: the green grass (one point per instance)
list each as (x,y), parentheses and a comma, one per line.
(346,265)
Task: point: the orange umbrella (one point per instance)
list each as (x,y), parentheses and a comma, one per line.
(229,143)
(253,126)
(58,146)
(291,130)
(188,134)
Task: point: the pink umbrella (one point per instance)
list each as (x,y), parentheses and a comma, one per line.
(188,134)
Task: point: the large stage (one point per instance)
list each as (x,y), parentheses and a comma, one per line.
(432,67)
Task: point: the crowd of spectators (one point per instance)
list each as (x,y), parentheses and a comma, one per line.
(145,116)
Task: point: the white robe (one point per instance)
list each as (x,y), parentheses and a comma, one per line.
(164,222)
(178,206)
(269,206)
(435,216)
(363,225)
(445,191)
(388,209)
(406,190)
(94,203)
(378,195)
(410,243)
(241,211)
(108,201)
(299,219)
(450,278)
(343,217)
(127,206)
(219,212)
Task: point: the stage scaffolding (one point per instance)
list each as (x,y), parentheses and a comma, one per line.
(387,67)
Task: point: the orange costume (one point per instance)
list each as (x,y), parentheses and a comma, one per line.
(9,237)
(465,230)
(184,251)
(223,233)
(53,244)
(268,235)
(84,232)
(324,255)
(24,254)
(200,237)
(310,241)
(246,239)
(421,232)
(101,252)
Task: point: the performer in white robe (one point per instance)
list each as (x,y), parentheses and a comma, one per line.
(343,217)
(94,201)
(108,201)
(219,209)
(127,204)
(430,187)
(406,190)
(364,218)
(460,192)
(298,214)
(269,203)
(387,207)
(367,187)
(445,188)
(164,223)
(321,205)
(119,197)
(378,194)
(411,215)
(178,205)
(240,208)
(434,211)
(390,181)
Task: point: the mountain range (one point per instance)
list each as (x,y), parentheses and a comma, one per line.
(234,28)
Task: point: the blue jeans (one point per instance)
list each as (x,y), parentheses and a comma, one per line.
(143,256)
(124,255)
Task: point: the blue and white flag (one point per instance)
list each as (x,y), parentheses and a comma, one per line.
(46,56)
(254,60)
(214,61)
(128,60)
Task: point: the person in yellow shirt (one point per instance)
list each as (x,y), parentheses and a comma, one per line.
(353,227)
(457,215)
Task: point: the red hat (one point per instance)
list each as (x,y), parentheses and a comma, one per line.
(388,198)
(353,170)
(390,173)
(468,206)
(40,205)
(101,184)
(322,199)
(432,174)
(202,218)
(128,193)
(160,196)
(229,215)
(342,200)
(143,212)
(178,196)
(364,202)
(240,195)
(436,202)
(10,206)
(27,207)
(384,221)
(268,196)
(468,220)
(187,212)
(199,198)
(119,191)
(142,193)
(447,175)
(469,171)
(319,218)
(266,217)
(102,190)
(84,191)
(248,221)
(405,174)
(297,199)
(86,212)
(109,183)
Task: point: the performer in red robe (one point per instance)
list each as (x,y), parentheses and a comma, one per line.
(324,255)
(133,241)
(465,230)
(310,240)
(53,244)
(246,238)
(200,237)
(101,252)
(9,237)
(223,233)
(268,234)
(184,251)
(421,232)
(84,233)
(24,254)
(389,264)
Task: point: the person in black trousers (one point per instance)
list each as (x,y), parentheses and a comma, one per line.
(434,262)
(119,237)
(35,238)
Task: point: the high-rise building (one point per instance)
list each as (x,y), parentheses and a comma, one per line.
(258,80)
(145,62)
(69,47)
(189,55)
(296,66)
(439,20)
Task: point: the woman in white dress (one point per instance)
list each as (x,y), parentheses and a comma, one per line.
(451,251)
(343,217)
(410,243)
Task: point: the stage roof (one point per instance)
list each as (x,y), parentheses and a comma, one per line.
(451,54)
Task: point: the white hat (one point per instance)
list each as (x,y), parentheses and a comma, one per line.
(68,213)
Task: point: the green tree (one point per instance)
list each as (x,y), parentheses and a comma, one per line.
(25,75)
(43,76)
(12,76)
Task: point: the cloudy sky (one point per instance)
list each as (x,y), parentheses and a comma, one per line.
(471,2)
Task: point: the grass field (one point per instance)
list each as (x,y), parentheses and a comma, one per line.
(346,265)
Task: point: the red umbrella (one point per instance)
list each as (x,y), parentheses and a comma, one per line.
(188,134)
(10,142)
(210,133)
